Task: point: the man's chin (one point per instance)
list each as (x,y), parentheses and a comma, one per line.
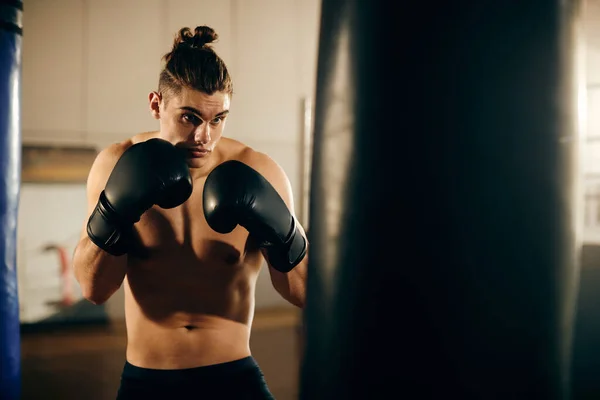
(194,162)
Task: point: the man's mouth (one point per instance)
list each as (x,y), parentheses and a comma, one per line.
(195,152)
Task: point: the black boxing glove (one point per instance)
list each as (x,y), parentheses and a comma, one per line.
(148,173)
(234,193)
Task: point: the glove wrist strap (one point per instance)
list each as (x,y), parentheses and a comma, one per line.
(107,230)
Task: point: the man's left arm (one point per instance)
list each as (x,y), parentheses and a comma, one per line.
(290,285)
(254,192)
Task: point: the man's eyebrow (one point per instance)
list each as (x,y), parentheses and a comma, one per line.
(193,110)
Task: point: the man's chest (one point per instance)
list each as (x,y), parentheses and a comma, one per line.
(184,229)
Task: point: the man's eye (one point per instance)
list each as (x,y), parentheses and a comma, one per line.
(217,120)
(191,118)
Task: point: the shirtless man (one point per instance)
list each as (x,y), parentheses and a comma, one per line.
(183,218)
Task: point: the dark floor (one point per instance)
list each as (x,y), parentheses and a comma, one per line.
(85,363)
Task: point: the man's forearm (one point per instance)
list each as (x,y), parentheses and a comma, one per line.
(99,274)
(291,285)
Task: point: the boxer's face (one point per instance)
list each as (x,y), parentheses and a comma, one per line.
(191,120)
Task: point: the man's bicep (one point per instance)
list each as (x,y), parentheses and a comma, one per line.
(97,178)
(285,188)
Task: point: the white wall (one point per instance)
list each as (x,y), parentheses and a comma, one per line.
(88,67)
(591,25)
(590,149)
(49,214)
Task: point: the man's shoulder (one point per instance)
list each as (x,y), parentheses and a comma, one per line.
(142,137)
(261,162)
(115,150)
(232,147)
(256,159)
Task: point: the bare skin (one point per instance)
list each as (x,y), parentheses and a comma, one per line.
(189,291)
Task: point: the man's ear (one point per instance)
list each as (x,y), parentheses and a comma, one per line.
(154,101)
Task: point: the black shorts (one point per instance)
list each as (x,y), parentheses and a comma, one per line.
(240,379)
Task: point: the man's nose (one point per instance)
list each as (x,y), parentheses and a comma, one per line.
(202,134)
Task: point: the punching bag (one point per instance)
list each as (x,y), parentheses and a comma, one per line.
(10,150)
(444,236)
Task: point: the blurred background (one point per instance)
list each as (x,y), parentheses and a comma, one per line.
(88,67)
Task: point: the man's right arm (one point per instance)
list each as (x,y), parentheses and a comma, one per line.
(99,273)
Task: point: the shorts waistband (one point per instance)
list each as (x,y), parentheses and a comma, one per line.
(225,369)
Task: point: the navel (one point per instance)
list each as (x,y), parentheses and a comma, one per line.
(190,327)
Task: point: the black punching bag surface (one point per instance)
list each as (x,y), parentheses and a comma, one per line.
(444,201)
